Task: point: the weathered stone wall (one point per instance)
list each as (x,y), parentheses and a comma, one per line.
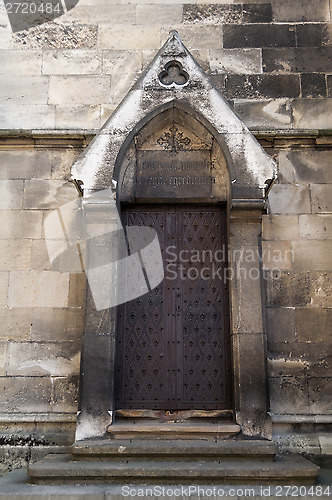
(297,240)
(41,310)
(273,62)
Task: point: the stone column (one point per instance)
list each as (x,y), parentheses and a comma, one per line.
(96,406)
(247,323)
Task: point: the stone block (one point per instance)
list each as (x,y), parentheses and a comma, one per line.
(259,35)
(247,279)
(77,290)
(288,395)
(319,391)
(321,289)
(314,324)
(280,325)
(286,199)
(313,60)
(280,60)
(315,227)
(309,166)
(21,224)
(202,56)
(124,68)
(79,90)
(15,323)
(212,14)
(11,194)
(280,227)
(71,62)
(15,255)
(57,324)
(250,351)
(20,62)
(312,35)
(27,90)
(25,394)
(291,442)
(118,62)
(63,161)
(48,194)
(288,289)
(244,234)
(313,85)
(325,443)
(38,117)
(4,280)
(39,256)
(124,13)
(300,60)
(25,164)
(277,255)
(78,117)
(260,86)
(266,114)
(196,37)
(257,13)
(61,359)
(242,61)
(159,14)
(312,255)
(301,10)
(320,359)
(321,198)
(3,358)
(58,36)
(38,289)
(65,394)
(312,113)
(124,37)
(285,367)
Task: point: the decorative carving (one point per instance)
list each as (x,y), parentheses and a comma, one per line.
(173,74)
(173,140)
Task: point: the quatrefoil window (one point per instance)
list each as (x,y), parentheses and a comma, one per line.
(173,74)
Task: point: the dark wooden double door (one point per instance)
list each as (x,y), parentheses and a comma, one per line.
(173,350)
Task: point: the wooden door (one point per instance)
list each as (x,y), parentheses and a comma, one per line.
(173,347)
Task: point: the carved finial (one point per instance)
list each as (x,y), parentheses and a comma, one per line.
(174,33)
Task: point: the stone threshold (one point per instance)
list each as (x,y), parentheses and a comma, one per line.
(214,429)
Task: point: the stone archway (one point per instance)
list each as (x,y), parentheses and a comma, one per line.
(242,171)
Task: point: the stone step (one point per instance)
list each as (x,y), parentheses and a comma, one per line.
(57,469)
(165,449)
(172,430)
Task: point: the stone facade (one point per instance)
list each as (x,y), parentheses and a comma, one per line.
(60,82)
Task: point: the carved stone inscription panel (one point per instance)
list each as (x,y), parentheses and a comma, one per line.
(184,175)
(173,163)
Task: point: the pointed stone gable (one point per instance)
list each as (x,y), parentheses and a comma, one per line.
(174,78)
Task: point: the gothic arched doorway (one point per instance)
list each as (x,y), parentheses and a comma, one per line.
(173,343)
